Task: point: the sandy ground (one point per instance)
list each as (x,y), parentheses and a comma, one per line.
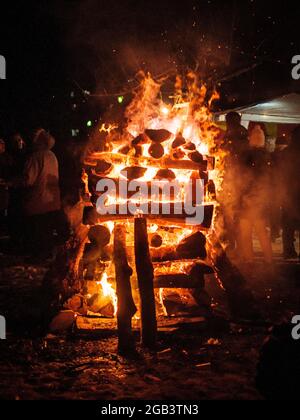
(188,365)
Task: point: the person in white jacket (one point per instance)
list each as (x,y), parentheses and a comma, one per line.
(42,202)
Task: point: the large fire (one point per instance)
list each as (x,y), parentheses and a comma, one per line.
(186,153)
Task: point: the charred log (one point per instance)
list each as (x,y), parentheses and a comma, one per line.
(193,246)
(145,276)
(103,167)
(141,139)
(156,150)
(190,146)
(178,281)
(158,136)
(133,172)
(196,157)
(99,235)
(179,154)
(156,241)
(178,142)
(165,174)
(126,306)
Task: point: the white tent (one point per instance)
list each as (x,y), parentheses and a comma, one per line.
(282,110)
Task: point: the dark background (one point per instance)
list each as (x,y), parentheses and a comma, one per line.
(53,48)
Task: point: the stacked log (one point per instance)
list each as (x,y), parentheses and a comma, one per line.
(126,306)
(145,277)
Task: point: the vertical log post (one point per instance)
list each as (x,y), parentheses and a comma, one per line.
(126,306)
(145,275)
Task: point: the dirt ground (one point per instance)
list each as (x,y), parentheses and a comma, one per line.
(196,361)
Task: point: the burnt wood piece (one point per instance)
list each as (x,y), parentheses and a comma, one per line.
(141,139)
(179,154)
(156,241)
(156,150)
(63,280)
(124,150)
(100,235)
(241,300)
(165,174)
(145,277)
(169,254)
(158,136)
(103,167)
(126,306)
(178,142)
(92,252)
(138,151)
(90,215)
(178,281)
(190,146)
(133,172)
(196,157)
(201,266)
(193,246)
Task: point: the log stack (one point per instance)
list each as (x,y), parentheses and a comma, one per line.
(166,155)
(167,252)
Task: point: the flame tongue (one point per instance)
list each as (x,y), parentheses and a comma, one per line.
(108,291)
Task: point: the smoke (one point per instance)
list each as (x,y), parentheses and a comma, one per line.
(109,42)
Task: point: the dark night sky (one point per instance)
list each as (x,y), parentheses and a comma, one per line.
(102,44)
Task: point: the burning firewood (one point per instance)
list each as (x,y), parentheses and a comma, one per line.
(126,306)
(138,151)
(124,150)
(156,150)
(156,241)
(178,281)
(165,174)
(202,298)
(178,142)
(141,139)
(103,167)
(196,157)
(190,146)
(90,215)
(145,276)
(158,136)
(99,235)
(193,246)
(102,305)
(133,172)
(211,189)
(200,268)
(179,154)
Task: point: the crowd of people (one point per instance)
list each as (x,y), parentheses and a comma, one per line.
(260,194)
(30,197)
(261,190)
